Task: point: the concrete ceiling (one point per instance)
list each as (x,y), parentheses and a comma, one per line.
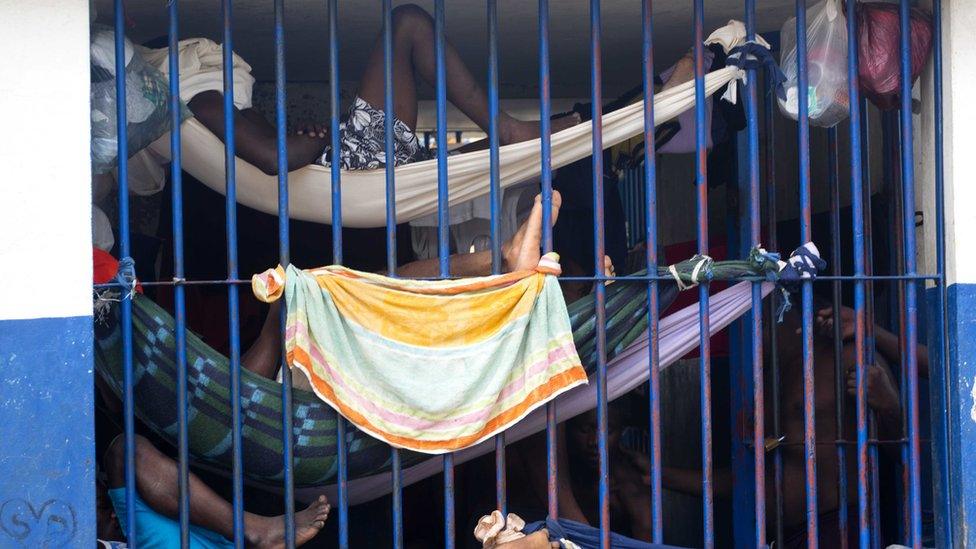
(307,39)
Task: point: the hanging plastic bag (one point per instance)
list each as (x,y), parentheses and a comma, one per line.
(146,101)
(827,97)
(879,50)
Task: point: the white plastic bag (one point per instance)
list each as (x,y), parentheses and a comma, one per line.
(827,96)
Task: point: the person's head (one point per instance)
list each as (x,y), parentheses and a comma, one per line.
(582,438)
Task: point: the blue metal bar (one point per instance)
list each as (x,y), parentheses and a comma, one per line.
(651,259)
(857,220)
(284,258)
(391,233)
(840,376)
(179,291)
(233,301)
(701,211)
(128,396)
(756,334)
(911,298)
(809,400)
(443,230)
(769,146)
(869,346)
(938,377)
(336,173)
(600,294)
(545,115)
(494,197)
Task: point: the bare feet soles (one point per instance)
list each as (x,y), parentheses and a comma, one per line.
(271,530)
(522,252)
(516,131)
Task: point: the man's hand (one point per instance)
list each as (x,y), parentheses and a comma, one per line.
(883,396)
(313,130)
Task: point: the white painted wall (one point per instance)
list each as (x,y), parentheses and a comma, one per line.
(45,163)
(959,81)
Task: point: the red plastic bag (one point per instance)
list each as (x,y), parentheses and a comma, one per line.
(879,50)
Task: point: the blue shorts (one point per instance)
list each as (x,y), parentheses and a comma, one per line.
(154,531)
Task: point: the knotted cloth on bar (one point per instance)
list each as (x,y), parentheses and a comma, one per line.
(430,366)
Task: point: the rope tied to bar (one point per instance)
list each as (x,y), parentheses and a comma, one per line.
(701,272)
(125,287)
(755,55)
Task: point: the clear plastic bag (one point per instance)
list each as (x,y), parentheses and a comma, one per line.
(827,98)
(146,101)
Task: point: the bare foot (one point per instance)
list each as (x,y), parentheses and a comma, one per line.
(522,252)
(684,70)
(516,131)
(536,540)
(269,532)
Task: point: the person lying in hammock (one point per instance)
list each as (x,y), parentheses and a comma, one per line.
(362,134)
(211,515)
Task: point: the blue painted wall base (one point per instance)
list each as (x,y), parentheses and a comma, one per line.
(47,491)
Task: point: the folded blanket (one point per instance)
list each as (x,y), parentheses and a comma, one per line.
(430,366)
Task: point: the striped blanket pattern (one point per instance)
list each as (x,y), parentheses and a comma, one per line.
(429,366)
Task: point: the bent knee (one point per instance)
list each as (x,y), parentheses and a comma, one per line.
(115,458)
(410,15)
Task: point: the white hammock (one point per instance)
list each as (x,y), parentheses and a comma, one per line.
(364,192)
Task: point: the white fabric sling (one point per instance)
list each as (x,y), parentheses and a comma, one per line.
(363,192)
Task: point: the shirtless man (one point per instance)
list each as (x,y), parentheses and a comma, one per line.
(362,134)
(883,399)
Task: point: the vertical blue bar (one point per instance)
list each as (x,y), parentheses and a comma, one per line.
(336,172)
(840,385)
(803,134)
(391,236)
(857,225)
(756,334)
(443,231)
(233,303)
(545,114)
(650,237)
(938,380)
(701,210)
(128,396)
(494,197)
(179,291)
(288,440)
(769,149)
(600,295)
(911,288)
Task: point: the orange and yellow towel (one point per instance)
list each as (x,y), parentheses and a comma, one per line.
(428,366)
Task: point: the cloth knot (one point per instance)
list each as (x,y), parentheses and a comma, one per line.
(700,271)
(126,277)
(549,264)
(804,264)
(755,55)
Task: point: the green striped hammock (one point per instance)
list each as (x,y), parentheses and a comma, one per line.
(314,422)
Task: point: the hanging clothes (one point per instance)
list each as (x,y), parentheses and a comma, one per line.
(430,366)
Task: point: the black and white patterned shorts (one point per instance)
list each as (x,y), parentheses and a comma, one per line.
(363,140)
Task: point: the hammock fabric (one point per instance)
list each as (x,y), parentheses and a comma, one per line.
(374,349)
(363,192)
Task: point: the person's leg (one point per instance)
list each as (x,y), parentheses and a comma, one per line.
(256,140)
(264,355)
(522,252)
(413,53)
(157,484)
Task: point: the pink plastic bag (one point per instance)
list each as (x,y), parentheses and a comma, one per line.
(879,50)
